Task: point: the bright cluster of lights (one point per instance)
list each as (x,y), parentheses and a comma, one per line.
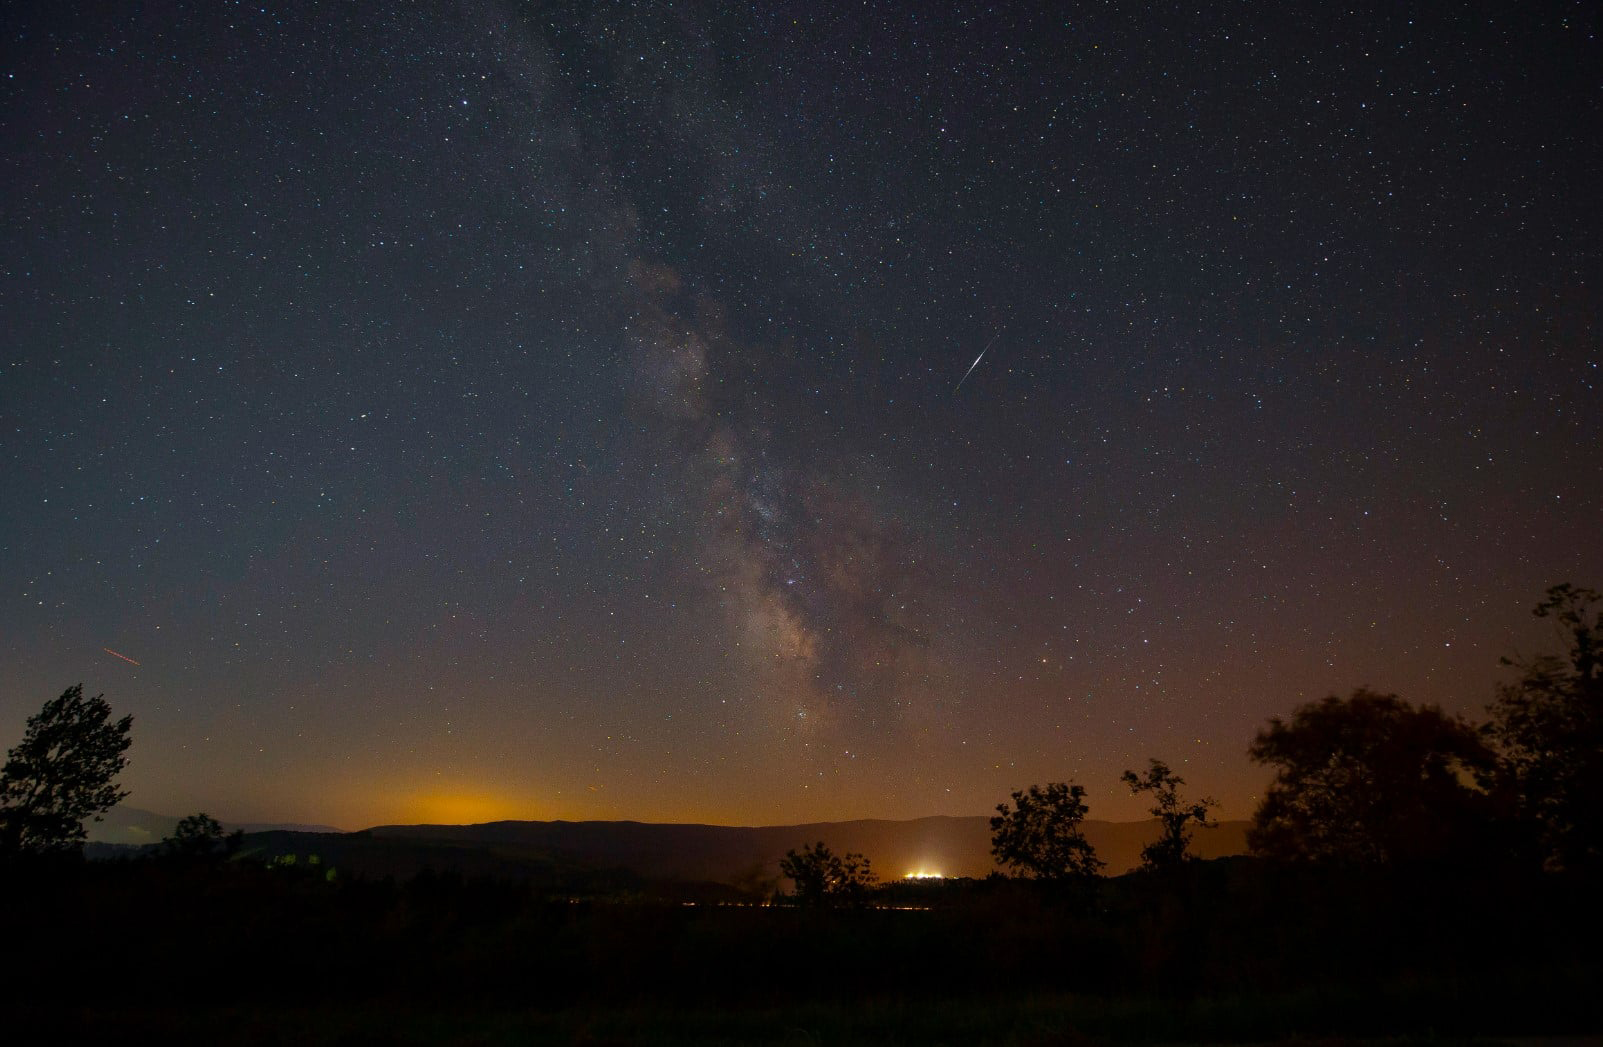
(922,875)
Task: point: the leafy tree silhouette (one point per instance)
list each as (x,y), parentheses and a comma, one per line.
(1176,816)
(1548,727)
(1041,836)
(1369,779)
(63,771)
(823,879)
(200,837)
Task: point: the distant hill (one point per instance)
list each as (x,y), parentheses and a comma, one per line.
(949,846)
(632,853)
(130,825)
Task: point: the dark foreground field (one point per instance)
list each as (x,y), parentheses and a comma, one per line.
(1065,1021)
(1229,951)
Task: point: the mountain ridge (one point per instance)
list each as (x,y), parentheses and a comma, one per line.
(135,826)
(940,844)
(948,845)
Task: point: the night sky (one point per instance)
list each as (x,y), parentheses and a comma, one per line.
(468,411)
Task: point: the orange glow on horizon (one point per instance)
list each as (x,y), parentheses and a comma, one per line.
(466,808)
(469,803)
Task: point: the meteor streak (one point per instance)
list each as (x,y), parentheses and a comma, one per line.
(124,657)
(976,362)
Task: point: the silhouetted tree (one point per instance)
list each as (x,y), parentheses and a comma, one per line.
(63,771)
(201,836)
(824,879)
(1040,835)
(1176,816)
(1370,779)
(1548,728)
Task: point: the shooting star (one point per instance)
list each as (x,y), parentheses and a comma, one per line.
(976,362)
(124,657)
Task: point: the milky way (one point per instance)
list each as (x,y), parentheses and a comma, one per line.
(554,410)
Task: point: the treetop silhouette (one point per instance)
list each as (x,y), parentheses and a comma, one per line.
(1041,835)
(1176,816)
(1548,729)
(63,771)
(1369,779)
(824,879)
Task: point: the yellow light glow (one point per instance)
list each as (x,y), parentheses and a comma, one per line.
(463,808)
(923,875)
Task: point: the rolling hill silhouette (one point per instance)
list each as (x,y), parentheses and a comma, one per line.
(948,846)
(131,826)
(634,853)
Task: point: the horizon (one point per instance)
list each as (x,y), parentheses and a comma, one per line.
(314,825)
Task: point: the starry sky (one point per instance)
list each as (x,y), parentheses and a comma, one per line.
(478,410)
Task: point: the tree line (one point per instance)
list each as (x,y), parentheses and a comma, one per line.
(1369,779)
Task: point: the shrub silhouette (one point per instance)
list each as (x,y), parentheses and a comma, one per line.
(823,879)
(200,837)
